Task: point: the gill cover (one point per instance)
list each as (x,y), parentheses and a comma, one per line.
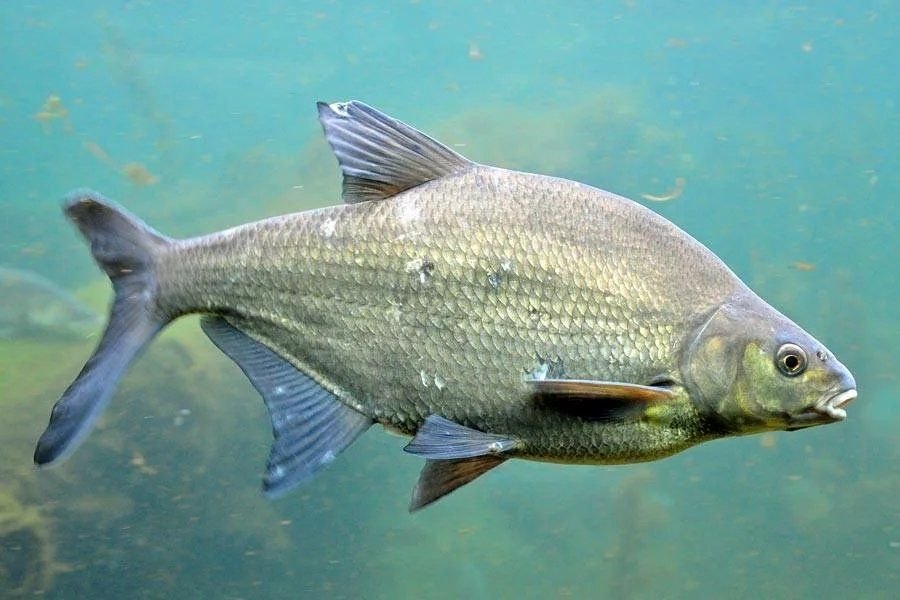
(734,368)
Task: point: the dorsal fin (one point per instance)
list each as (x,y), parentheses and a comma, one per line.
(380,156)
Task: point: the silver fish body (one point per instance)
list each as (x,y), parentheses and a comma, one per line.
(445,298)
(490,313)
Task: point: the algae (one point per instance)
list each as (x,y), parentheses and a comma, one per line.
(597,137)
(28,561)
(175,420)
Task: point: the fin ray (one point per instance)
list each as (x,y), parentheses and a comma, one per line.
(605,401)
(124,248)
(599,390)
(381,156)
(311,426)
(440,477)
(440,438)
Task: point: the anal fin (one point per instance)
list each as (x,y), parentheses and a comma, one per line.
(311,425)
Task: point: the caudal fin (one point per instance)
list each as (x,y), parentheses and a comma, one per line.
(125,249)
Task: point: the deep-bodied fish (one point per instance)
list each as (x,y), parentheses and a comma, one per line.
(490,314)
(32,306)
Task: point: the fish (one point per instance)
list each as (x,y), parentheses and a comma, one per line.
(35,307)
(488,314)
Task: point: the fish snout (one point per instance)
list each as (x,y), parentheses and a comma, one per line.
(829,409)
(833,406)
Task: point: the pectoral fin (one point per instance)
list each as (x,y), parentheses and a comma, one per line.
(456,455)
(608,401)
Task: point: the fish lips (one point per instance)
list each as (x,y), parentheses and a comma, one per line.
(828,410)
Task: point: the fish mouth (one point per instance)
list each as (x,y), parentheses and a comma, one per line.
(828,410)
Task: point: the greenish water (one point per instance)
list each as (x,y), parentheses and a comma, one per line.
(780,117)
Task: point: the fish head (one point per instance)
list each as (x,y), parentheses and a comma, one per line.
(752,369)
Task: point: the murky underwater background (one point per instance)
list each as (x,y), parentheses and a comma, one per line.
(777,123)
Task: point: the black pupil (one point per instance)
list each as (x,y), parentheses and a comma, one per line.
(792,362)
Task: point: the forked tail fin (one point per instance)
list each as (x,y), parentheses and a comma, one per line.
(125,249)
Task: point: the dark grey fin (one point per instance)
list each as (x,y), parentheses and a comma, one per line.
(440,477)
(440,438)
(586,388)
(380,156)
(310,425)
(125,249)
(606,401)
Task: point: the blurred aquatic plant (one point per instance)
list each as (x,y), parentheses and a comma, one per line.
(51,111)
(598,137)
(195,425)
(126,65)
(27,550)
(638,514)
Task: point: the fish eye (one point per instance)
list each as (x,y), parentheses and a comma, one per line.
(790,359)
